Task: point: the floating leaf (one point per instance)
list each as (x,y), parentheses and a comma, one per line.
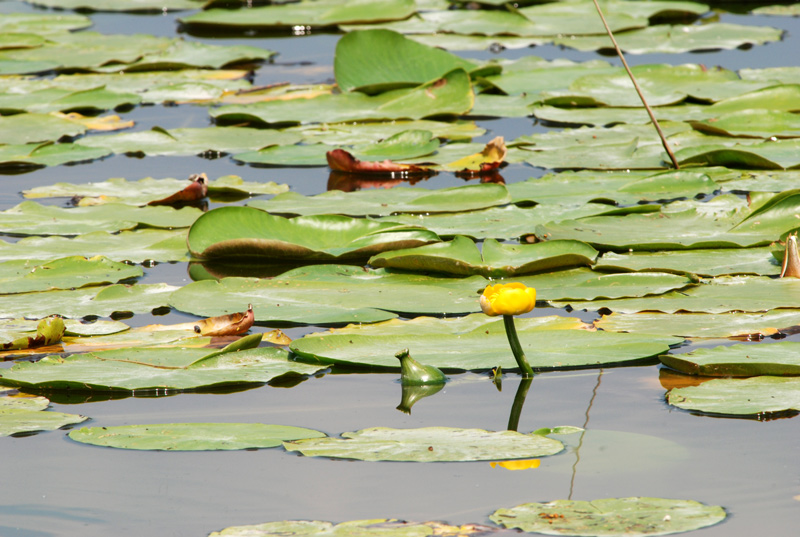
(245,232)
(428,444)
(46,154)
(718,262)
(20,420)
(48,331)
(129,6)
(52,100)
(463,345)
(192,436)
(43,23)
(65,273)
(739,397)
(147,368)
(491,157)
(780,154)
(780,358)
(26,128)
(611,516)
(461,256)
(381,202)
(365,528)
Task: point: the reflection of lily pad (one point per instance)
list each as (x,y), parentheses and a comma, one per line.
(739,397)
(428,444)
(610,517)
(192,436)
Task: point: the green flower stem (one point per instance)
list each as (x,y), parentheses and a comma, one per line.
(516,348)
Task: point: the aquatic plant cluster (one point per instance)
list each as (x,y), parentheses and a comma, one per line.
(612,260)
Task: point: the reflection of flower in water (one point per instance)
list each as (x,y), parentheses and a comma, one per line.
(527,464)
(508,299)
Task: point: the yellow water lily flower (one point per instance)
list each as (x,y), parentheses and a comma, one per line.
(508,299)
(517,465)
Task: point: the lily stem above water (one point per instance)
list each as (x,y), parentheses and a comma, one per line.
(516,348)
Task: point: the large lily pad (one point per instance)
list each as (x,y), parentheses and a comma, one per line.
(135,246)
(720,295)
(323,294)
(47,332)
(63,100)
(740,397)
(780,358)
(46,154)
(610,517)
(381,202)
(780,154)
(32,218)
(706,325)
(140,298)
(128,5)
(43,23)
(64,273)
(365,528)
(461,256)
(460,345)
(244,232)
(428,444)
(449,95)
(26,128)
(22,413)
(192,436)
(147,368)
(718,262)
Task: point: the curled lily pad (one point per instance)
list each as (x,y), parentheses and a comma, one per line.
(428,444)
(48,331)
(611,516)
(245,232)
(750,397)
(192,436)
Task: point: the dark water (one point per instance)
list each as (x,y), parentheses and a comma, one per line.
(635,445)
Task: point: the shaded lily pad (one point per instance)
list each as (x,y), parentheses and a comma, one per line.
(611,516)
(365,528)
(739,397)
(192,436)
(780,358)
(753,124)
(64,273)
(382,202)
(449,95)
(140,298)
(718,262)
(147,368)
(693,325)
(134,246)
(245,232)
(461,256)
(428,444)
(465,346)
(32,218)
(720,295)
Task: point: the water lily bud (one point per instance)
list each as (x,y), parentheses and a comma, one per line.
(414,373)
(508,299)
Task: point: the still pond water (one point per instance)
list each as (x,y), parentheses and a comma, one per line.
(635,445)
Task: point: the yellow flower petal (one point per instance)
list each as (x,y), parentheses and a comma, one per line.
(507,299)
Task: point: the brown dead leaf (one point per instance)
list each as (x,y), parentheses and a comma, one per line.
(343,161)
(104,123)
(197,190)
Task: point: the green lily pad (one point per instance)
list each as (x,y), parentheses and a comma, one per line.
(305,13)
(63,100)
(739,397)
(245,232)
(146,368)
(43,23)
(464,346)
(449,95)
(610,516)
(130,5)
(373,61)
(26,128)
(720,295)
(46,154)
(461,256)
(19,420)
(48,331)
(287,155)
(324,294)
(31,218)
(718,262)
(10,399)
(189,141)
(365,528)
(383,202)
(531,75)
(753,124)
(706,325)
(139,298)
(428,444)
(780,154)
(665,38)
(192,436)
(149,189)
(135,246)
(780,358)
(65,273)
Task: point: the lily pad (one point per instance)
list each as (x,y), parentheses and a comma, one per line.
(19,420)
(739,397)
(705,325)
(780,154)
(128,5)
(192,436)
(46,154)
(244,232)
(610,517)
(64,273)
(148,368)
(135,246)
(381,202)
(428,444)
(43,23)
(461,256)
(466,347)
(717,262)
(365,528)
(48,331)
(780,358)
(51,100)
(26,128)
